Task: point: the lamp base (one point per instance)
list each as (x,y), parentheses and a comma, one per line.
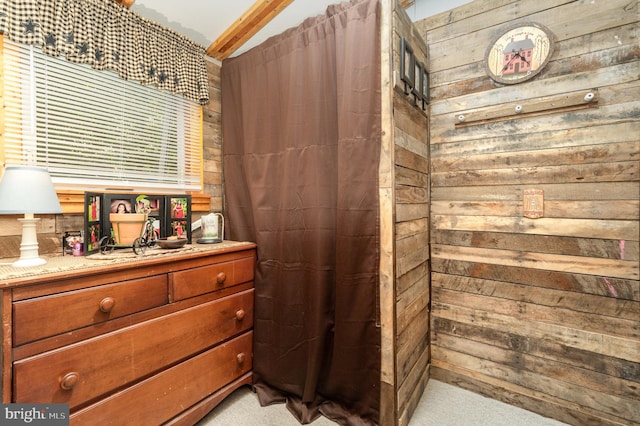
(29,244)
(26,263)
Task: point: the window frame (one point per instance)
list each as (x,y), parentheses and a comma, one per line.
(70,185)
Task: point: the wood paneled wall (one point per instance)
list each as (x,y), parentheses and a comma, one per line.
(411,229)
(212,139)
(540,313)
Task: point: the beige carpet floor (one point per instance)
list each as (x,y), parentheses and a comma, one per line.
(441,405)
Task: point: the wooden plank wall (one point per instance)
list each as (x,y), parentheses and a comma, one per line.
(212,139)
(412,282)
(540,313)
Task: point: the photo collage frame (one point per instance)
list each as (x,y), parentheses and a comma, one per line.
(171,215)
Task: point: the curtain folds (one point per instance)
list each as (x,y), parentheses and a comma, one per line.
(301,128)
(106,35)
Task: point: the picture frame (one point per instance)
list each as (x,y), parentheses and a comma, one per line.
(171,214)
(416,91)
(120,204)
(115,203)
(153,205)
(70,241)
(93,217)
(519,52)
(414,75)
(424,84)
(407,66)
(178,216)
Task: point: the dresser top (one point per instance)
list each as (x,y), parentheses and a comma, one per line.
(67,265)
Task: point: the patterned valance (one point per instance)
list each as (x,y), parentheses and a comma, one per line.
(107,35)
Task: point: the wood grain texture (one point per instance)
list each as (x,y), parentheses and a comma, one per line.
(251,21)
(107,336)
(541,313)
(411,229)
(582,283)
(607,249)
(522,396)
(212,143)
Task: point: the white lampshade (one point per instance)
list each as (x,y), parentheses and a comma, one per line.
(28,190)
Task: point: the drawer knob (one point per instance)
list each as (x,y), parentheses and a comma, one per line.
(241,357)
(69,380)
(221,278)
(107,304)
(240,314)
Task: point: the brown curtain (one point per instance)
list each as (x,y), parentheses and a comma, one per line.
(301,127)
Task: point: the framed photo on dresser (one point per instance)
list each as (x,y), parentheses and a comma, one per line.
(153,206)
(93,214)
(171,215)
(178,216)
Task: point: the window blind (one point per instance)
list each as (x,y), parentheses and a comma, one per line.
(93,129)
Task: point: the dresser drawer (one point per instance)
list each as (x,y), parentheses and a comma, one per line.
(205,279)
(46,316)
(83,371)
(152,402)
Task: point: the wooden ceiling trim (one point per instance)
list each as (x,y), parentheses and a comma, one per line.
(256,17)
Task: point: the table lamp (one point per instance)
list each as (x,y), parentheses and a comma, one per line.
(28,190)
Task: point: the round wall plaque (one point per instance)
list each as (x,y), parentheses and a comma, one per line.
(519,53)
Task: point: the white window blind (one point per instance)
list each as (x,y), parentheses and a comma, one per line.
(92,129)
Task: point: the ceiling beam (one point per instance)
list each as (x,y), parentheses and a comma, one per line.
(256,17)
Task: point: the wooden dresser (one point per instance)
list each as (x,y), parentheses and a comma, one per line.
(160,339)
